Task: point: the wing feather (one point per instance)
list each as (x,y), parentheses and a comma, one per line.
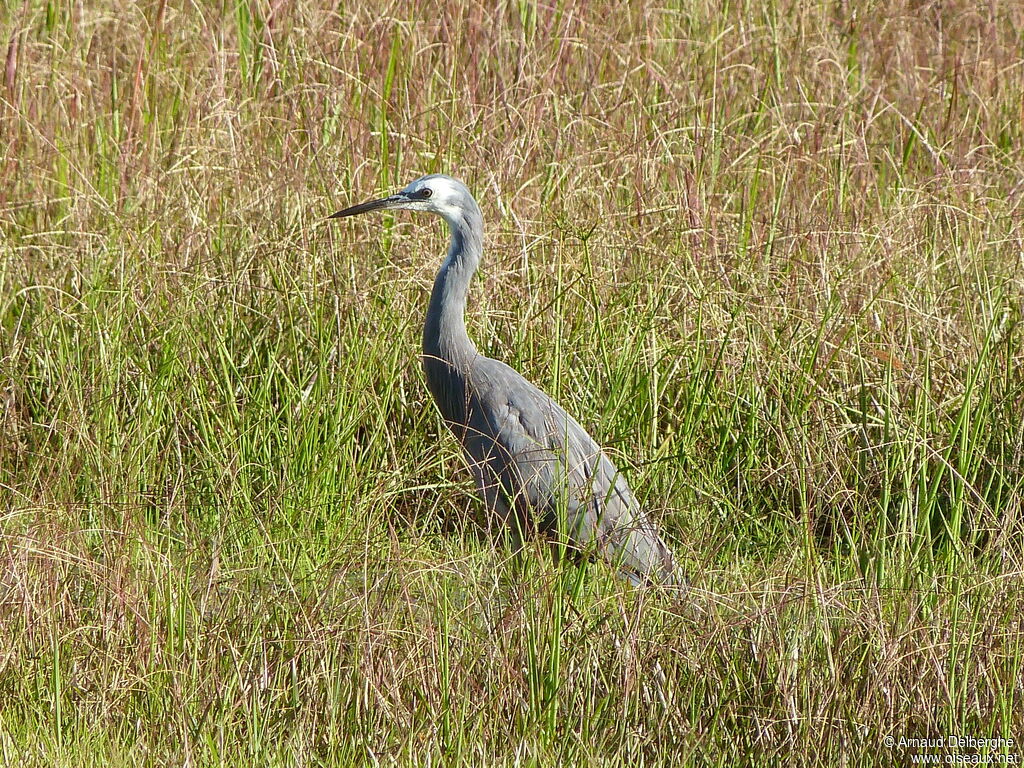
(537,466)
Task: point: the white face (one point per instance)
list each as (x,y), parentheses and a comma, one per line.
(437,194)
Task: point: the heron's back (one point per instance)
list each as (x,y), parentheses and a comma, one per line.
(537,467)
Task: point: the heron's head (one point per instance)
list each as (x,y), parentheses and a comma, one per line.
(447,197)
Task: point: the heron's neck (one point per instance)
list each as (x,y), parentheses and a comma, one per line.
(444,333)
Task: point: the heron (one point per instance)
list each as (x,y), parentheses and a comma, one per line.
(535,467)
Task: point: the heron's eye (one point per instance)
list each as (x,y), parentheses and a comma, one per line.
(425,192)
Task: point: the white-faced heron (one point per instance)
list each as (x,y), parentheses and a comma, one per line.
(534,465)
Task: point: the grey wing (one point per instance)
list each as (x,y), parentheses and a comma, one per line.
(535,464)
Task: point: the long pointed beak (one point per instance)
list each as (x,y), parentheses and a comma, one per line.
(373,205)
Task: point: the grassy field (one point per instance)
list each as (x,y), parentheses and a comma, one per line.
(770,254)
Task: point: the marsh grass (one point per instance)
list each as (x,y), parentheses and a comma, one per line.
(769,254)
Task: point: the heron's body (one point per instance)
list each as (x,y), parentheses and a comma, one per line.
(534,465)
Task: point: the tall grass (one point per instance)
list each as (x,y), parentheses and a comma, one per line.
(769,254)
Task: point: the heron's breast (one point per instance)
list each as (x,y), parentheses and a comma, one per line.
(448,388)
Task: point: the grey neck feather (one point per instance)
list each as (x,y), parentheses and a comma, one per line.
(444,333)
